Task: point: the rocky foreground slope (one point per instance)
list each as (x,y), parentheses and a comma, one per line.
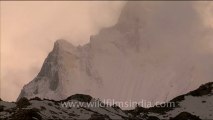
(198,103)
(195,105)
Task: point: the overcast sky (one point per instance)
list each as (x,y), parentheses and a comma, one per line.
(29,29)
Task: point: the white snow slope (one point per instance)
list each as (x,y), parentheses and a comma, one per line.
(155,52)
(198,102)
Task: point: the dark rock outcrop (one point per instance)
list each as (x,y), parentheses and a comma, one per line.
(185,116)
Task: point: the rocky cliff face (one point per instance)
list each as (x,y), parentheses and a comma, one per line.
(152,54)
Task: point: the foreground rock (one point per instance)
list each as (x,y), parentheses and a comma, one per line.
(195,105)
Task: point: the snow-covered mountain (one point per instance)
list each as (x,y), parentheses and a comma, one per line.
(154,53)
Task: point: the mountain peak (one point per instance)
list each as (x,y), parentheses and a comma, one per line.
(62,44)
(51,72)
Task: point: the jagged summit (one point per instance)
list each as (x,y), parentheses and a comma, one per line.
(50,78)
(65,45)
(62,41)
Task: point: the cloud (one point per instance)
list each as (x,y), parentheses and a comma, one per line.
(171,43)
